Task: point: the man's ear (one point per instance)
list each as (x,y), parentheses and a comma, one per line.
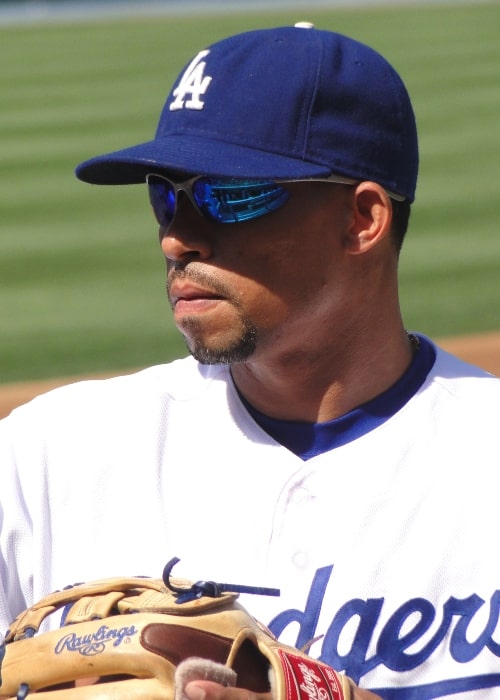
(371,218)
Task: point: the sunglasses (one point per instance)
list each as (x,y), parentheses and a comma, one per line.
(224,200)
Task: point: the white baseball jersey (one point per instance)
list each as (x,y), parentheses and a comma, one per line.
(384,548)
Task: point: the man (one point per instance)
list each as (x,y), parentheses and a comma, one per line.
(310,443)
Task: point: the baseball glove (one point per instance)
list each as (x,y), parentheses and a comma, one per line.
(144,639)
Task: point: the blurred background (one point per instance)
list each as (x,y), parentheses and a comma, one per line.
(82,277)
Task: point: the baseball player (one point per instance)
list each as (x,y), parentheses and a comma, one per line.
(309,442)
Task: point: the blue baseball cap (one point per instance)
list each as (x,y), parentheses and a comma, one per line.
(283,103)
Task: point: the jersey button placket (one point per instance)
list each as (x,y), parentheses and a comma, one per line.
(301,500)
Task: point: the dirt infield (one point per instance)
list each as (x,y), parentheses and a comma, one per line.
(482,350)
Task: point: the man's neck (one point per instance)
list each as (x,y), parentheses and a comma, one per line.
(317,387)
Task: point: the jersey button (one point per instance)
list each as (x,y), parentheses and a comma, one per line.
(300,560)
(300,496)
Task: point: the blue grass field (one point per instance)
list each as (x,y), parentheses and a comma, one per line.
(82,278)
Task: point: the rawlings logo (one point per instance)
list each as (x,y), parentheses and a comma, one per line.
(308,680)
(95,643)
(193,83)
(311,684)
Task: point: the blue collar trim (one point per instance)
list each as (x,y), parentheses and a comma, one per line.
(308,440)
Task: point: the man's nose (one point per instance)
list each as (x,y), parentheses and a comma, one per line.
(187,238)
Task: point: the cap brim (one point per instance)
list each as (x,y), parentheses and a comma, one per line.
(194,156)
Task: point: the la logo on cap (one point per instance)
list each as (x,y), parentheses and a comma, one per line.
(194,83)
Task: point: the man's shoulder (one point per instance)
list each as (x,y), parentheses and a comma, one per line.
(463,383)
(458,372)
(181,380)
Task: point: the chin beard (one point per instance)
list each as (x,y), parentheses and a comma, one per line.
(232,353)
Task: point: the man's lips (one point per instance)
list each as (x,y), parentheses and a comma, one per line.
(191,293)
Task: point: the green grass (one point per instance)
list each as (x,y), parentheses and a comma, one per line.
(82,277)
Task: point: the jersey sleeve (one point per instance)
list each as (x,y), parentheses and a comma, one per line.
(15,529)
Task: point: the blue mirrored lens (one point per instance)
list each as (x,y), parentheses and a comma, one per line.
(223,200)
(229,201)
(163,200)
